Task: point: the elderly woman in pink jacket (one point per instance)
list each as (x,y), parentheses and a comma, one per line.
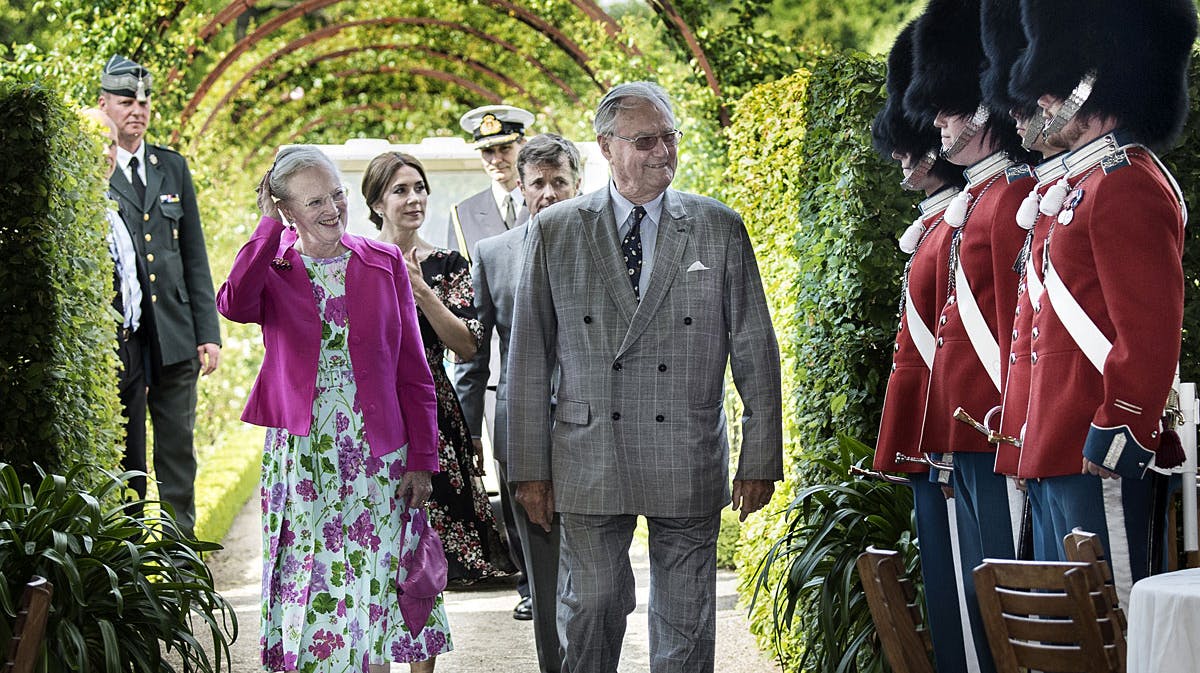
(350,403)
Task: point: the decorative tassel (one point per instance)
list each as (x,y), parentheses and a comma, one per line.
(956,212)
(912,236)
(1052,202)
(1027,214)
(1170,451)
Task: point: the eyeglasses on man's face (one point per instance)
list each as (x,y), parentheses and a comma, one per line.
(646,143)
(337,197)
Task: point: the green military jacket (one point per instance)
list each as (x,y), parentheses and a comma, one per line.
(166,230)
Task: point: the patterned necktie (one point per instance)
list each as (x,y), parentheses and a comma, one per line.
(631,247)
(139,187)
(510,214)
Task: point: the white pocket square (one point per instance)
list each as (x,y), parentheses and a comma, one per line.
(697,266)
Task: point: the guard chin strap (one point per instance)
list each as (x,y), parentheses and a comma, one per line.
(977,121)
(1066,112)
(918,173)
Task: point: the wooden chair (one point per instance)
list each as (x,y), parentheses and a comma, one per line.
(1085,547)
(1051,617)
(898,622)
(30,627)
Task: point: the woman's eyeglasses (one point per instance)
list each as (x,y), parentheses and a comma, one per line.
(646,143)
(337,197)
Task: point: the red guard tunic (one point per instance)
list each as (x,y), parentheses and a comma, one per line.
(1029,292)
(1117,246)
(924,293)
(975,324)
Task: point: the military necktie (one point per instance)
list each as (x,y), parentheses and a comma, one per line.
(510,214)
(139,187)
(631,247)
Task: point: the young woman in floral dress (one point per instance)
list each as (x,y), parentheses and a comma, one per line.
(347,393)
(395,189)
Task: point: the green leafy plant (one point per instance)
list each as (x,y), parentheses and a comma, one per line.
(828,526)
(130,595)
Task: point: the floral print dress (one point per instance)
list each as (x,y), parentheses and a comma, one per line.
(459,508)
(332,525)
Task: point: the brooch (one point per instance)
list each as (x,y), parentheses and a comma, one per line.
(281,264)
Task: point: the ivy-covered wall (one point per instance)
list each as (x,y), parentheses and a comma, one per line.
(824,212)
(57,356)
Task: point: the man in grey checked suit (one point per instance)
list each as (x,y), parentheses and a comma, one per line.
(548,166)
(639,428)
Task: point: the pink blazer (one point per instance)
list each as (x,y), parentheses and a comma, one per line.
(269,286)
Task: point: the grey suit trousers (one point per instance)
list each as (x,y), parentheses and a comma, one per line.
(597,593)
(540,552)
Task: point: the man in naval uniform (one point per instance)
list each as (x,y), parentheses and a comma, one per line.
(154,193)
(923,288)
(1111,82)
(499,134)
(975,323)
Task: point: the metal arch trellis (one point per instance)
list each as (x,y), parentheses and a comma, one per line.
(296,11)
(329,31)
(473,65)
(230,13)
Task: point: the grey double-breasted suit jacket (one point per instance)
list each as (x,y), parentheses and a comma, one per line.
(639,427)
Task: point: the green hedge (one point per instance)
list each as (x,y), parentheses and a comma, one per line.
(824,212)
(1184,162)
(57,357)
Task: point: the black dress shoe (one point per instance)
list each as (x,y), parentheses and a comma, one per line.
(524,609)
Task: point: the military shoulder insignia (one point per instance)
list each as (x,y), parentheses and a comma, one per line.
(1018,172)
(1114,161)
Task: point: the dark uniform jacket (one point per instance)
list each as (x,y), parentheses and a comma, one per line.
(170,244)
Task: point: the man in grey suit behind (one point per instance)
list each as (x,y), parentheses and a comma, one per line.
(641,295)
(548,166)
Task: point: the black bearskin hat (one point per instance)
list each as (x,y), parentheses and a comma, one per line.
(1003,41)
(1139,50)
(891,131)
(947,60)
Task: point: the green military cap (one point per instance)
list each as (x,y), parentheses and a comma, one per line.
(123,77)
(495,124)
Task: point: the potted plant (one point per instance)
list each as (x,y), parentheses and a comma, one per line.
(809,574)
(130,595)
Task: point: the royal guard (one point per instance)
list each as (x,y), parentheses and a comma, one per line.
(974,325)
(923,293)
(1105,336)
(1003,43)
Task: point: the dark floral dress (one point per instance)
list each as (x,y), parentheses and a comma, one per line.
(458,509)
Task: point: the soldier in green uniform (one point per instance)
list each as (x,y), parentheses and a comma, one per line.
(153,189)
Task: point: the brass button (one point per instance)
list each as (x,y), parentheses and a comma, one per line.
(146,217)
(1012,358)
(1014,335)
(154,298)
(148,238)
(950,299)
(1033,358)
(150,257)
(1037,308)
(153,277)
(942,320)
(893,366)
(941,342)
(896,347)
(1018,312)
(1034,333)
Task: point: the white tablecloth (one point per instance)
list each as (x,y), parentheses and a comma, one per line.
(1164,623)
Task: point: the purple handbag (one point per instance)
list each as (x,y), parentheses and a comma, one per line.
(426,567)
